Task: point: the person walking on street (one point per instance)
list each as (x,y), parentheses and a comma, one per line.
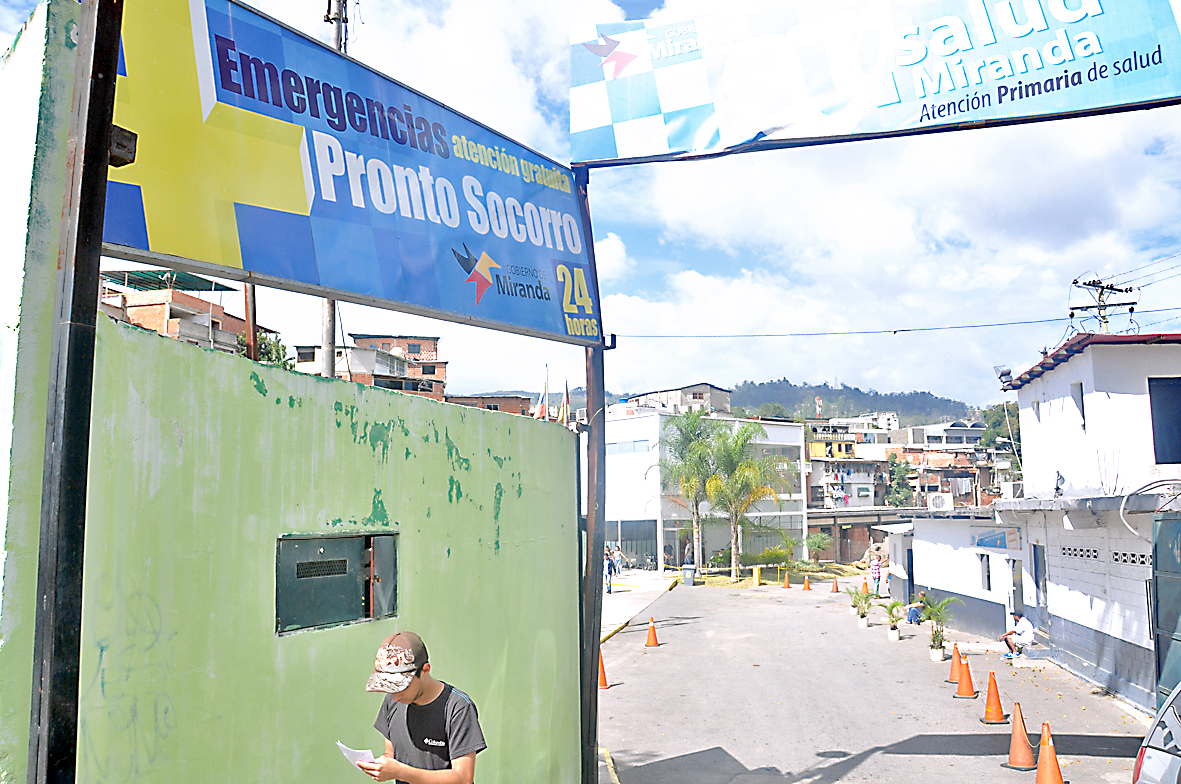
(608,569)
(431,729)
(618,557)
(875,573)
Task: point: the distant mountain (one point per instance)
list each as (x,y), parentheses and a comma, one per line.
(913,408)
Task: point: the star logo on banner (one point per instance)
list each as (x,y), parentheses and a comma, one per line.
(610,52)
(479,270)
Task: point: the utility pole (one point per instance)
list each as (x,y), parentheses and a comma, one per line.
(337,16)
(1102,292)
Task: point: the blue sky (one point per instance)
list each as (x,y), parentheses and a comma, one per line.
(960,228)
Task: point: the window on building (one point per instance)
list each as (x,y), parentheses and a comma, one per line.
(385,346)
(1164,399)
(699,396)
(428,370)
(339,353)
(985,572)
(305,354)
(640,446)
(492,406)
(327,580)
(413,348)
(1076,394)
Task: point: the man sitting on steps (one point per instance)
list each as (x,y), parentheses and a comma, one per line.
(1020,638)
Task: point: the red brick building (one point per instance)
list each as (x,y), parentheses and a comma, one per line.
(421,352)
(513,404)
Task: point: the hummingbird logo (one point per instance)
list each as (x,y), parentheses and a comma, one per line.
(479,270)
(609,51)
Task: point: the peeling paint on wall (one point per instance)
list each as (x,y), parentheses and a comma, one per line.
(180,566)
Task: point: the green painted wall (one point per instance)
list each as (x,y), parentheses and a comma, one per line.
(36,87)
(201,460)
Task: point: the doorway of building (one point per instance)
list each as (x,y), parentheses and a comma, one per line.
(1018,595)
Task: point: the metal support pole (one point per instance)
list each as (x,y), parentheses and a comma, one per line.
(337,16)
(53,729)
(251,323)
(328,340)
(591,602)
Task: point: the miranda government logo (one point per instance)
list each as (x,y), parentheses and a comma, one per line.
(479,270)
(610,52)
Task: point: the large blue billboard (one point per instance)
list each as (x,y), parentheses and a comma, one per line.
(797,72)
(264,150)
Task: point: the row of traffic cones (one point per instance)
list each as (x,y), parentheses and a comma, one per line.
(1020,750)
(651,643)
(808,584)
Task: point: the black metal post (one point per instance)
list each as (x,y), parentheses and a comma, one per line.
(596,455)
(53,731)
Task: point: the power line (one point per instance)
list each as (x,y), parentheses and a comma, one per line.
(1150,274)
(877,331)
(1162,280)
(1146,266)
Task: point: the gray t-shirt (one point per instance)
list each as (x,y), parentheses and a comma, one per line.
(430,736)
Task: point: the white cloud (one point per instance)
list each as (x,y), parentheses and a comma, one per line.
(611,259)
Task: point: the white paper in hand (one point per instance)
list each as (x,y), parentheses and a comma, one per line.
(353,755)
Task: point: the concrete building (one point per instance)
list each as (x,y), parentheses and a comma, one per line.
(1100,417)
(158,300)
(651,521)
(513,404)
(423,354)
(951,434)
(694,397)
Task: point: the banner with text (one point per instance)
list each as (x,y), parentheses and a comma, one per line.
(811,70)
(262,149)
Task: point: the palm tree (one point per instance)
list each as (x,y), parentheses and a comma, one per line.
(740,480)
(688,465)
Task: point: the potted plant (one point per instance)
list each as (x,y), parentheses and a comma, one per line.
(864,603)
(938,614)
(853,594)
(893,616)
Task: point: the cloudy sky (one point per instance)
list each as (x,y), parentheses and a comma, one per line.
(960,228)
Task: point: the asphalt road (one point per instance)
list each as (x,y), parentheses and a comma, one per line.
(773,685)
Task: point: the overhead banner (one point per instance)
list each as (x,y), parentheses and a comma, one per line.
(816,71)
(263,150)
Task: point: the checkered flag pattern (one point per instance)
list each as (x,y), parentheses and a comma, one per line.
(639,88)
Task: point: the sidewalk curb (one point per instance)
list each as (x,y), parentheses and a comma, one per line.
(673,583)
(610,765)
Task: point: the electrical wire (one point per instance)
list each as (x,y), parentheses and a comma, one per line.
(1149,275)
(1162,280)
(897,331)
(1146,266)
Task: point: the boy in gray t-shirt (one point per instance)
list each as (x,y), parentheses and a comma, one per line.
(431,729)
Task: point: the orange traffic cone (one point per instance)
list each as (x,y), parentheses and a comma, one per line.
(1048,771)
(1020,752)
(652,643)
(602,673)
(786,579)
(835,588)
(954,675)
(966,690)
(864,585)
(807,585)
(993,712)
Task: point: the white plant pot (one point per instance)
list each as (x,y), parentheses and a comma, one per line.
(894,635)
(863,621)
(852,610)
(936,654)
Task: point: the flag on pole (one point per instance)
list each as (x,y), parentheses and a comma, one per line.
(564,411)
(542,411)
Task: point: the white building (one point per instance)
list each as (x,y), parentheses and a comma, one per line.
(1100,417)
(874,421)
(648,521)
(694,397)
(943,434)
